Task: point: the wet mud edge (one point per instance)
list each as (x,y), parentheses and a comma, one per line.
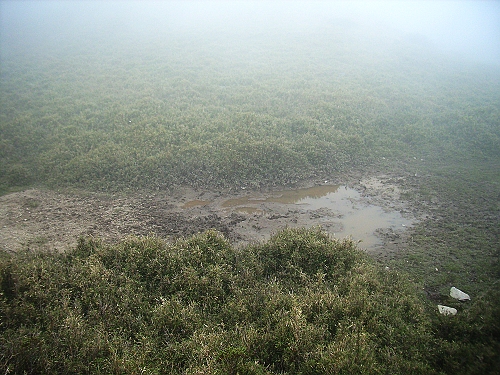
(44,219)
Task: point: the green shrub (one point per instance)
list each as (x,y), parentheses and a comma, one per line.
(300,304)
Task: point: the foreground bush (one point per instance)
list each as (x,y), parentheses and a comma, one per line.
(300,304)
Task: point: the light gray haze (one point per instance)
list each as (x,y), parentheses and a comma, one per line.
(470,29)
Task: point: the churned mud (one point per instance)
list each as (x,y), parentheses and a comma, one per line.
(369,209)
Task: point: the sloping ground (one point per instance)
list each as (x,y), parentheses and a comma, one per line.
(222,111)
(455,245)
(221,115)
(300,303)
(44,219)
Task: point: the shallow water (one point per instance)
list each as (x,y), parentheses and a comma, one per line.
(195,203)
(339,208)
(285,196)
(357,218)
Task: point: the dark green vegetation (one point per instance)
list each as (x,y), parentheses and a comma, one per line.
(218,110)
(299,304)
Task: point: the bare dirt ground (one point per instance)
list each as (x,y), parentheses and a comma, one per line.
(43,219)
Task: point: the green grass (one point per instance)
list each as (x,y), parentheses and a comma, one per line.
(301,303)
(218,111)
(222,112)
(461,237)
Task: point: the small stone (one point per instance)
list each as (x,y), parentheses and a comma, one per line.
(445,310)
(458,294)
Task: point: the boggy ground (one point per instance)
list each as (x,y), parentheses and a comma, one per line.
(45,219)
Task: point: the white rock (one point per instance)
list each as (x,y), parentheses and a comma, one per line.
(458,294)
(445,310)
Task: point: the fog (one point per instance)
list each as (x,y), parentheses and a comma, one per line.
(469,29)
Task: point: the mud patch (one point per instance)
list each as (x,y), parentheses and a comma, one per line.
(195,203)
(340,210)
(54,220)
(51,220)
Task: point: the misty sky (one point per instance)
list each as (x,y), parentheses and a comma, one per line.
(471,28)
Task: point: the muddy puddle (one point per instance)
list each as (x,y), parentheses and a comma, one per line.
(370,210)
(195,203)
(340,210)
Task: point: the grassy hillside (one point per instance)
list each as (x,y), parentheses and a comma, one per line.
(299,304)
(220,110)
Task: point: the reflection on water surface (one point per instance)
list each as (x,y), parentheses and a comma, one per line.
(195,203)
(285,196)
(333,206)
(345,205)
